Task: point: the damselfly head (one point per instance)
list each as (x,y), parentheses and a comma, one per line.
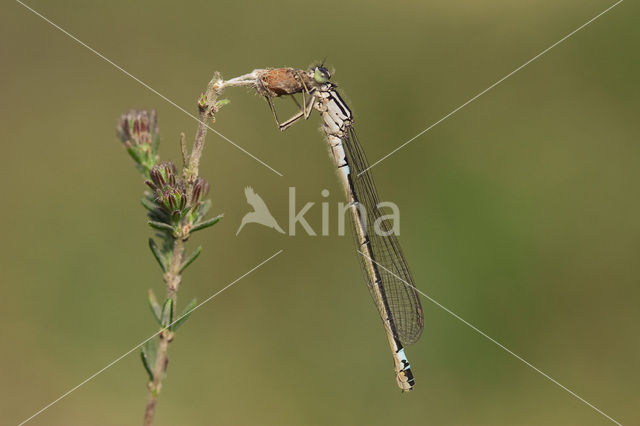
(321,74)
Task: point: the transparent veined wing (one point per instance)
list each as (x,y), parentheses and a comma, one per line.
(398,287)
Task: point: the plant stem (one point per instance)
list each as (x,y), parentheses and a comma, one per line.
(154,387)
(198,145)
(207,111)
(172,277)
(172,280)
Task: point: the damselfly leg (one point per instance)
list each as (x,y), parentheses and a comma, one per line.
(304,112)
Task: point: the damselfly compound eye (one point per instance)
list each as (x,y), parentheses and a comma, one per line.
(321,75)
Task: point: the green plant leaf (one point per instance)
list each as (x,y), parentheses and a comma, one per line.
(160,226)
(133,152)
(158,215)
(222,102)
(156,309)
(154,144)
(148,204)
(148,354)
(191,258)
(158,255)
(184,315)
(202,102)
(167,313)
(206,224)
(203,210)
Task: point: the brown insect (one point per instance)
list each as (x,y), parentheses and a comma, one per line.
(281,81)
(276,82)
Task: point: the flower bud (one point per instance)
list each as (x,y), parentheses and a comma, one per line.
(138,131)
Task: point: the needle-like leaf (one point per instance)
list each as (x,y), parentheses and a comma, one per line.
(148,204)
(149,353)
(185,314)
(134,154)
(160,226)
(167,313)
(206,223)
(156,309)
(193,256)
(203,209)
(157,253)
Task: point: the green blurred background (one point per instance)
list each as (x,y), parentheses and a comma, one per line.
(519,213)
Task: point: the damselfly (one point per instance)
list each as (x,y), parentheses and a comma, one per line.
(385,268)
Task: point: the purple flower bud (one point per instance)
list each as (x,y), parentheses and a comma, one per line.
(138,127)
(151,185)
(156,177)
(200,189)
